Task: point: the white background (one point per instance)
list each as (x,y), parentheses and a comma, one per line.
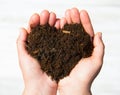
(105,16)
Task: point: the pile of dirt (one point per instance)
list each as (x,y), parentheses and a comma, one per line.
(59,50)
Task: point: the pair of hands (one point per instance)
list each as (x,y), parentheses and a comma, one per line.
(81,77)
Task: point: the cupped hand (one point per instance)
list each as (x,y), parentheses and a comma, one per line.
(36,82)
(81,77)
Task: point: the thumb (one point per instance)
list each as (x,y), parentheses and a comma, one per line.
(21,41)
(98,51)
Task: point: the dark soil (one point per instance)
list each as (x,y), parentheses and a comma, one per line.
(58,51)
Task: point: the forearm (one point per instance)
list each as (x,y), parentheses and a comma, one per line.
(43,90)
(74,89)
(25,92)
(86,92)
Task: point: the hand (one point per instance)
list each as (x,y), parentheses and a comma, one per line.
(81,77)
(36,82)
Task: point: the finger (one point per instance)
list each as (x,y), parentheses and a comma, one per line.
(44,17)
(26,62)
(62,22)
(68,17)
(98,51)
(21,41)
(57,23)
(52,19)
(34,21)
(75,15)
(85,20)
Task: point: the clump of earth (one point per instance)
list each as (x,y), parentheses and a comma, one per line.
(59,50)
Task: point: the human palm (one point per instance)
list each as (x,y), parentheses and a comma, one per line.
(87,69)
(82,74)
(34,78)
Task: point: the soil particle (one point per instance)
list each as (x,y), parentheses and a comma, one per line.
(59,50)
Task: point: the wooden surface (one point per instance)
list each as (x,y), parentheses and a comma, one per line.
(105,18)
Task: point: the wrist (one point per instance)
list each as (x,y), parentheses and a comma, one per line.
(31,90)
(74,88)
(39,90)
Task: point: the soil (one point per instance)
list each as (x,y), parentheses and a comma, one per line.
(59,50)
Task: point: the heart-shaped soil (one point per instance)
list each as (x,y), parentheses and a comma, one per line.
(59,50)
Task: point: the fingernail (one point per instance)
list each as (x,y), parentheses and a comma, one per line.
(100,35)
(21,33)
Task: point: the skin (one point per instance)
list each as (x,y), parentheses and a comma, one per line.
(81,77)
(36,82)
